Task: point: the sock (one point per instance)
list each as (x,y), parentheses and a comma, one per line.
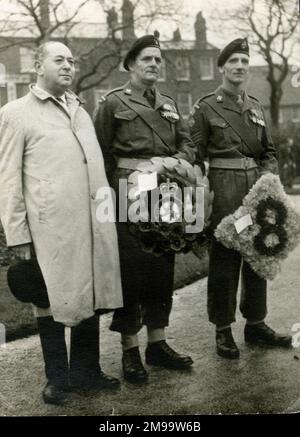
(155,335)
(252,323)
(129,341)
(222,328)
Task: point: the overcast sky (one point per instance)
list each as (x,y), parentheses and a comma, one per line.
(189,10)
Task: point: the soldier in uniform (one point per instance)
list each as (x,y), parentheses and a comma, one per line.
(229,130)
(134,123)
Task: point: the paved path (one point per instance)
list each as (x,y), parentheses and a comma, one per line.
(263,380)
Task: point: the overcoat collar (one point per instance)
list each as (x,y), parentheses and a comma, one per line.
(73,101)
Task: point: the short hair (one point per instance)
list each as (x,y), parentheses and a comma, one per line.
(41,50)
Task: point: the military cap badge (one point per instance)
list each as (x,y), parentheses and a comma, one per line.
(219,99)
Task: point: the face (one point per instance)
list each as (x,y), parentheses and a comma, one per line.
(236,69)
(146,67)
(57,69)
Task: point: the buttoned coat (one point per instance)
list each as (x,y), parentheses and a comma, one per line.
(51,168)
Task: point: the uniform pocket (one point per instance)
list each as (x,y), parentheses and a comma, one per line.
(219,122)
(126,115)
(127,125)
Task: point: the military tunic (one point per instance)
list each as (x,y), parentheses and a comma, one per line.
(128,126)
(226,133)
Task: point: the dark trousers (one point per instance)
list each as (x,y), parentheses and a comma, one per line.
(230,187)
(84,350)
(223,278)
(147,280)
(147,283)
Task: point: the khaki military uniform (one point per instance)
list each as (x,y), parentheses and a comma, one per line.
(236,141)
(129,129)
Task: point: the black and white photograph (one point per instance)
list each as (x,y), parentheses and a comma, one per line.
(149,211)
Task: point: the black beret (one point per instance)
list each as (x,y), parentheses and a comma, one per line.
(239,45)
(138,46)
(27,284)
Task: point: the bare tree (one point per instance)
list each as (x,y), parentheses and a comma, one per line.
(272,28)
(36,21)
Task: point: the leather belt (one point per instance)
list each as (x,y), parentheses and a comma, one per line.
(233,163)
(130,163)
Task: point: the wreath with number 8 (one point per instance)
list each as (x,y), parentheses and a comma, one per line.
(272,238)
(275,228)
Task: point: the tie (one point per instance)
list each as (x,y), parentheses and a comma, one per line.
(62,103)
(149,96)
(240,101)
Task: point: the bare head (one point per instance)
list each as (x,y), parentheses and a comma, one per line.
(55,67)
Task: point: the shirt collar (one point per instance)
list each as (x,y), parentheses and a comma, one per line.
(232,94)
(140,90)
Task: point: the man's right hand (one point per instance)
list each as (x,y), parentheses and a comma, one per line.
(22,252)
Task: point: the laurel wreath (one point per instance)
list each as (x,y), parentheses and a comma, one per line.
(159,236)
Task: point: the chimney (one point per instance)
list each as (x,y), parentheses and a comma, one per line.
(176,35)
(200,31)
(112,20)
(156,34)
(128,20)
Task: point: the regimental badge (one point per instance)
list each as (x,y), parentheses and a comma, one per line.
(219,99)
(128,91)
(244,45)
(169,112)
(191,121)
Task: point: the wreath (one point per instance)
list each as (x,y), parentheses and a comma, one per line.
(177,219)
(275,228)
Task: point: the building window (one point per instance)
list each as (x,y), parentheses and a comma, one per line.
(206,68)
(162,73)
(182,66)
(184,101)
(295,115)
(3,96)
(27,60)
(2,75)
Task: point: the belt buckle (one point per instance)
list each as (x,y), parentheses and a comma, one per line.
(246,163)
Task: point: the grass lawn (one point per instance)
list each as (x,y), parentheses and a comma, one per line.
(18,317)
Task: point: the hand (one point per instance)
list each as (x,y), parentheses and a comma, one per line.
(22,252)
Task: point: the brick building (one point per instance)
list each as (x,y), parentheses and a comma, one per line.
(189,69)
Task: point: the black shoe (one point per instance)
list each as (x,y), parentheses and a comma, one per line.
(161,354)
(98,381)
(54,394)
(226,346)
(263,334)
(133,368)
